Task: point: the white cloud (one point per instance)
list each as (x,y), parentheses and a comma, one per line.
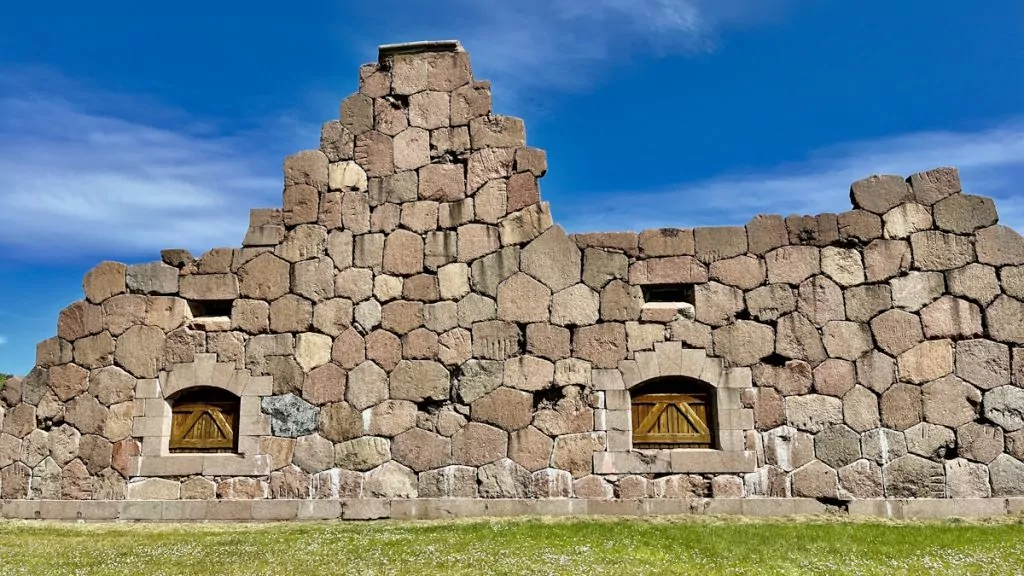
(92,173)
(3,340)
(564,44)
(990,161)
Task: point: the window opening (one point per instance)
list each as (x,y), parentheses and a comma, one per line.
(672,293)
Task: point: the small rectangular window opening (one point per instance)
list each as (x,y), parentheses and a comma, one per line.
(674,293)
(210,308)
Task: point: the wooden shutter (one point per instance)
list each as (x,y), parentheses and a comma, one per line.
(671,421)
(203,427)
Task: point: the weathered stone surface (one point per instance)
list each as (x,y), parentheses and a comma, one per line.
(883,446)
(966,479)
(1007,476)
(478,444)
(403,253)
(1003,320)
(620,301)
(504,479)
(950,317)
(813,412)
(290,416)
(1005,407)
(835,377)
(901,406)
(139,350)
(797,338)
(744,342)
(69,380)
(860,409)
(717,304)
(930,440)
(419,380)
(603,344)
(863,303)
(488,272)
(574,452)
(390,480)
(768,303)
(885,259)
(934,250)
(105,280)
(523,299)
(448,482)
(906,219)
(964,213)
(506,408)
(553,259)
(911,476)
(793,264)
(862,479)
(897,331)
(979,442)
(837,446)
(847,340)
(926,361)
(843,265)
(362,454)
(1000,246)
(78,320)
(815,480)
(934,185)
(821,301)
(291,313)
(494,131)
(880,193)
(950,402)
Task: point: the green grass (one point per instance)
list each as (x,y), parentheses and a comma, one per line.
(691,546)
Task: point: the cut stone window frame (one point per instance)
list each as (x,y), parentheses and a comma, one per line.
(669,359)
(153,425)
(677,297)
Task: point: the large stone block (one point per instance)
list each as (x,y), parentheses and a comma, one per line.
(950,402)
(553,259)
(926,361)
(793,264)
(935,250)
(522,299)
(901,407)
(479,444)
(744,343)
(743,272)
(980,442)
(420,380)
(797,338)
(1000,246)
(934,185)
(765,233)
(846,340)
(719,243)
(768,303)
(505,408)
(603,344)
(105,280)
(884,259)
(897,331)
(152,278)
(911,476)
(1003,320)
(1005,407)
(880,193)
(950,317)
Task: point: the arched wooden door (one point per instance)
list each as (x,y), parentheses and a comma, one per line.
(204,420)
(673,413)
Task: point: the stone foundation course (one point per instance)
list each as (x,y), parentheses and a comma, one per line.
(410,334)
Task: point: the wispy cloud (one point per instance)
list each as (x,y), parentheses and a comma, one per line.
(565,44)
(990,160)
(3,340)
(85,172)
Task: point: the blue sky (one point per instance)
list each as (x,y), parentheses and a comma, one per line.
(127,127)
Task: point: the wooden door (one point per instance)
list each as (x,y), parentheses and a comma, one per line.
(203,427)
(671,421)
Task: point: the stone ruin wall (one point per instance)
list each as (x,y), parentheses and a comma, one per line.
(412,324)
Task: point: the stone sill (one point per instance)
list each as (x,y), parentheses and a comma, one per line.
(682,461)
(429,509)
(175,465)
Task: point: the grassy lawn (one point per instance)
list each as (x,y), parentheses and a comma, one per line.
(691,546)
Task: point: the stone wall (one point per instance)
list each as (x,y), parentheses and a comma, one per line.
(412,324)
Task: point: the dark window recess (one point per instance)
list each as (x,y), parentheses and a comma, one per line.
(668,293)
(210,308)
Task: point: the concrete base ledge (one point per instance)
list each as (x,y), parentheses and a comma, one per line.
(426,509)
